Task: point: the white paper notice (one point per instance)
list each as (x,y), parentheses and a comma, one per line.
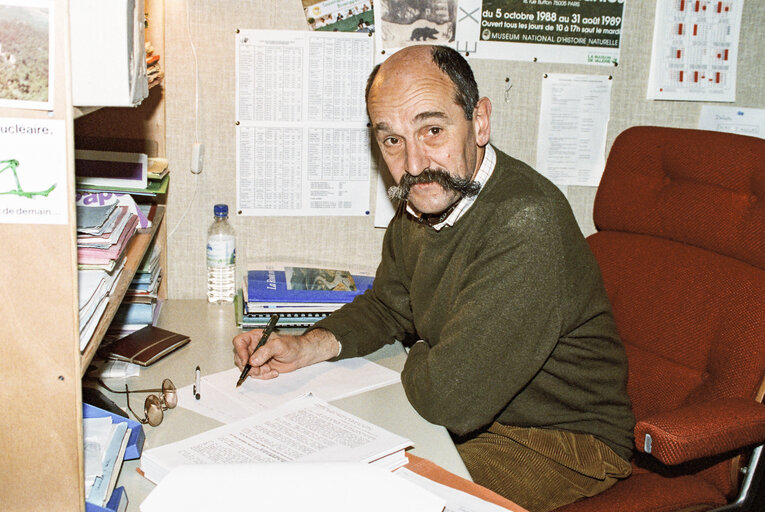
(221,400)
(33,183)
(695,48)
(572,128)
(743,121)
(302,141)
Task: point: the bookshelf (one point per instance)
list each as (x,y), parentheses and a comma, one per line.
(41,365)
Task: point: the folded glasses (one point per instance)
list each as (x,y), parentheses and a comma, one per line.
(154,406)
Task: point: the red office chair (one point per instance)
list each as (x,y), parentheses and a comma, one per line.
(681,244)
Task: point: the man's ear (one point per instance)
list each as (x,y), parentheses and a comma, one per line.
(481,121)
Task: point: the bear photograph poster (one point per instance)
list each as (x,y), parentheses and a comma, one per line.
(402,23)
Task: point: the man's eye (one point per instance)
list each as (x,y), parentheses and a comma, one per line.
(435,130)
(390,141)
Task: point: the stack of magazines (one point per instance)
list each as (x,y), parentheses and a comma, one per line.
(300,295)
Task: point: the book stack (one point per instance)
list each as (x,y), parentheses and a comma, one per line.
(300,295)
(140,305)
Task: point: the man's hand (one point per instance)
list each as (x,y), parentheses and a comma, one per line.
(283,352)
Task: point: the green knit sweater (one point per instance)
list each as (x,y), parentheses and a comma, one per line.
(511,306)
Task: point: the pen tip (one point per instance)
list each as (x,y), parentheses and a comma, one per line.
(239,382)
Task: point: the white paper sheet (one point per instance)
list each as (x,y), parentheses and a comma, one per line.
(743,121)
(305,429)
(573,120)
(223,401)
(33,183)
(302,141)
(299,487)
(456,501)
(695,49)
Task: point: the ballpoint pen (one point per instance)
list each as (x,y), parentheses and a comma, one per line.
(266,333)
(197,383)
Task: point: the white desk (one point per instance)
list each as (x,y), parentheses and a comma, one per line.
(211,328)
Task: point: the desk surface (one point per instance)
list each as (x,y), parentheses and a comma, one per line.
(211,328)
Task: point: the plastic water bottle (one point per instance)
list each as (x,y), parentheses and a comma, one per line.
(221,258)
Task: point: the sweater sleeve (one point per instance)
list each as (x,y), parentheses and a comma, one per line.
(381,315)
(500,330)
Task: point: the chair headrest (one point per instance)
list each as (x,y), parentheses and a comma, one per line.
(697,187)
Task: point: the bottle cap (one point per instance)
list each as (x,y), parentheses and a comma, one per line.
(221,210)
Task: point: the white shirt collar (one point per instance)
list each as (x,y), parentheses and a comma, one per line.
(485,171)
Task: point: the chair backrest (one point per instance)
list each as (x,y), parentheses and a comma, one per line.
(681,244)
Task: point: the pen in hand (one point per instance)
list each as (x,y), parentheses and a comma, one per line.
(264,337)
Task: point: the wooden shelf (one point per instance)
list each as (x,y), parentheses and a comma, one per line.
(134,253)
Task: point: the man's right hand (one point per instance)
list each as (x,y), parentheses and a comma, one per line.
(283,352)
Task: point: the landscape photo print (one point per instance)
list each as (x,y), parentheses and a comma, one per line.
(25,53)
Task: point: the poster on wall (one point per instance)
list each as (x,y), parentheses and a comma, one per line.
(573,120)
(340,15)
(33,177)
(560,31)
(695,49)
(302,142)
(401,23)
(26,54)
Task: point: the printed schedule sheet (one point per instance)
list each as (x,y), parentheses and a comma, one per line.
(302,145)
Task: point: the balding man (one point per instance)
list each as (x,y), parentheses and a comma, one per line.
(484,264)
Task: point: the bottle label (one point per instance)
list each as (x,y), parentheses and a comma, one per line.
(221,253)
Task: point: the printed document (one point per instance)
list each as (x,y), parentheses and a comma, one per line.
(305,429)
(220,399)
(571,143)
(302,142)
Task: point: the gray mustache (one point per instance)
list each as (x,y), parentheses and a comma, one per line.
(465,187)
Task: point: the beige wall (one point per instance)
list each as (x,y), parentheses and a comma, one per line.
(354,242)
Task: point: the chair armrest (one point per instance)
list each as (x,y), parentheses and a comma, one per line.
(701,430)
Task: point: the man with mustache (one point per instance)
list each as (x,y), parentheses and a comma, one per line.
(517,354)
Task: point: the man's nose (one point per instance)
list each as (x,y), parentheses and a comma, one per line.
(416,158)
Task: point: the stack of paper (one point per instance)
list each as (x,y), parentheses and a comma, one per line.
(105,224)
(301,295)
(94,289)
(305,429)
(104,444)
(140,306)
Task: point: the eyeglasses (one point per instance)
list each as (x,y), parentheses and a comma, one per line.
(154,406)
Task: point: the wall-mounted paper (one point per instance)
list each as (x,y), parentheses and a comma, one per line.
(695,49)
(26,54)
(573,120)
(302,141)
(33,171)
(744,121)
(541,31)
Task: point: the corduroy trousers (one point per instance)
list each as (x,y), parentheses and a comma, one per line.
(541,469)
